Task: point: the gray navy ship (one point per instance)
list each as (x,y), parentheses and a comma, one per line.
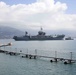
(40,36)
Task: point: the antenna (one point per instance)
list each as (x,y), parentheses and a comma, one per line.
(41,28)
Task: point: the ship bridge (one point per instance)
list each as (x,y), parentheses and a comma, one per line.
(41,33)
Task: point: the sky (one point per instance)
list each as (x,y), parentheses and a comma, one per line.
(31,14)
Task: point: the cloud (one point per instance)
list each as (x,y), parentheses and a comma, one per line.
(49,14)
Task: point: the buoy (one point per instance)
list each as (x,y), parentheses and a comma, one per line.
(65,62)
(51,60)
(22,56)
(30,57)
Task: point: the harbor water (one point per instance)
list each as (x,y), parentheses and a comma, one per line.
(15,65)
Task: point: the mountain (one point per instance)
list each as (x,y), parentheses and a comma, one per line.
(9,32)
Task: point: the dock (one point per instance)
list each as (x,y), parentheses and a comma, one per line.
(35,56)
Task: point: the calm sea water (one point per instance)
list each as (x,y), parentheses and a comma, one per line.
(15,65)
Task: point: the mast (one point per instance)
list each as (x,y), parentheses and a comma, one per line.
(41,28)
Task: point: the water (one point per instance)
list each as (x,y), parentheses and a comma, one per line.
(15,65)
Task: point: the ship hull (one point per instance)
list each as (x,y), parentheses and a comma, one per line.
(33,38)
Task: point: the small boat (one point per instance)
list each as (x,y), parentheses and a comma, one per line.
(68,38)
